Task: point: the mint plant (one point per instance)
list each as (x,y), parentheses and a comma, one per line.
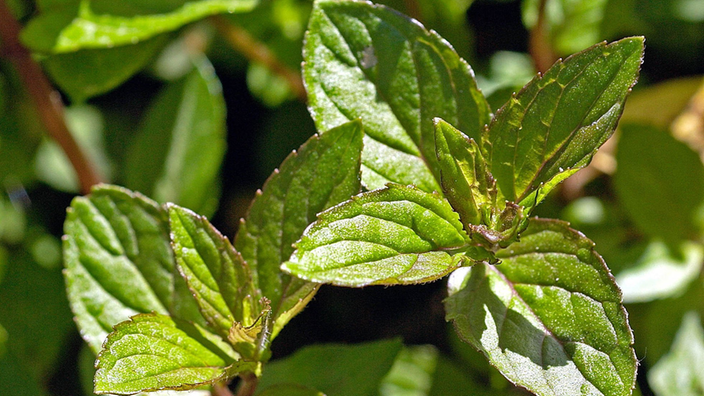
(168,302)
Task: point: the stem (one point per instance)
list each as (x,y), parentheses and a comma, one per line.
(220,390)
(256,51)
(248,384)
(539,43)
(45,98)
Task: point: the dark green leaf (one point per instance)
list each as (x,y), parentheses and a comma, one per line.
(395,235)
(366,61)
(215,272)
(177,154)
(681,372)
(555,124)
(290,390)
(95,29)
(119,262)
(324,172)
(660,182)
(550,317)
(87,73)
(336,370)
(661,272)
(154,352)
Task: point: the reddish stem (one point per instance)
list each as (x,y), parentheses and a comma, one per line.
(539,44)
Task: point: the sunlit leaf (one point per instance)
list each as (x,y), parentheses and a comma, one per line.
(550,317)
(398,234)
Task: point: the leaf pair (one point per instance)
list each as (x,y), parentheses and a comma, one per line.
(122,252)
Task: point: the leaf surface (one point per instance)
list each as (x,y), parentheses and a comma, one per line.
(155,352)
(119,262)
(323,172)
(550,317)
(555,124)
(398,234)
(366,61)
(177,154)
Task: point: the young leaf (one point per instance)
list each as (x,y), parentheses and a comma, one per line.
(336,370)
(394,235)
(153,352)
(324,172)
(176,156)
(556,123)
(550,317)
(90,29)
(214,271)
(366,61)
(119,262)
(681,371)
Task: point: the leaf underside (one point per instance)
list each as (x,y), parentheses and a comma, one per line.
(550,317)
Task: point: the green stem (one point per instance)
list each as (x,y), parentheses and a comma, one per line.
(46,100)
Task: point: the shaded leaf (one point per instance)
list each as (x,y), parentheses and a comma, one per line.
(119,262)
(336,370)
(398,234)
(556,123)
(659,182)
(290,390)
(681,371)
(88,29)
(155,352)
(323,172)
(177,154)
(550,317)
(369,62)
(215,272)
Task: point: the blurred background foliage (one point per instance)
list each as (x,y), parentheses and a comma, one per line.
(196,102)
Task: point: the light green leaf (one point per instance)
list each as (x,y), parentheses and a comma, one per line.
(155,352)
(395,235)
(550,317)
(90,29)
(412,372)
(177,154)
(215,272)
(556,123)
(119,262)
(681,371)
(366,61)
(661,272)
(323,172)
(335,370)
(659,182)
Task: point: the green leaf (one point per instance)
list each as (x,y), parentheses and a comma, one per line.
(155,352)
(661,272)
(659,182)
(91,72)
(178,151)
(215,272)
(395,235)
(290,390)
(412,372)
(335,370)
(556,123)
(550,317)
(90,29)
(119,262)
(323,172)
(369,62)
(681,371)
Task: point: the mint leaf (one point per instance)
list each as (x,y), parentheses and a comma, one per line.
(369,62)
(323,172)
(553,127)
(86,28)
(215,272)
(155,352)
(116,243)
(398,234)
(176,156)
(650,185)
(681,371)
(550,317)
(335,370)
